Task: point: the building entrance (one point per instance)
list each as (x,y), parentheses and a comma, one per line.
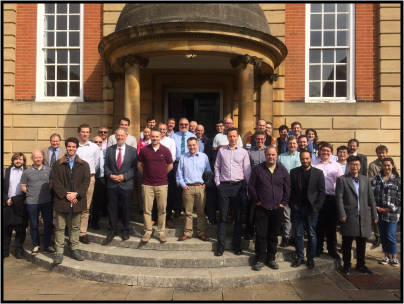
(204,108)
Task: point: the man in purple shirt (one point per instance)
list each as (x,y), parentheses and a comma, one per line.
(232,167)
(269,186)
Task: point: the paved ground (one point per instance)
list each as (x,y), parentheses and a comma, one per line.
(24,281)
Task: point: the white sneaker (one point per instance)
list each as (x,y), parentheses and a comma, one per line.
(394,262)
(35,250)
(385,260)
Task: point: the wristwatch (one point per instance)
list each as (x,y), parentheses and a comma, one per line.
(77,195)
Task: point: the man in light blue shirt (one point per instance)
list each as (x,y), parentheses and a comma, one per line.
(191,167)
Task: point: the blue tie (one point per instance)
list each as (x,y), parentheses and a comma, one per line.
(183,144)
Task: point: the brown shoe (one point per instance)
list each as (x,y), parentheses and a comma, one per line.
(84,239)
(146,238)
(203,238)
(177,214)
(170,224)
(162,238)
(153,222)
(183,238)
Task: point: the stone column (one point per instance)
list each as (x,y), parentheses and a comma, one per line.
(131,64)
(266,100)
(246,65)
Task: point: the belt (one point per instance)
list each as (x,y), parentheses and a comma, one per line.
(92,175)
(231,182)
(196,185)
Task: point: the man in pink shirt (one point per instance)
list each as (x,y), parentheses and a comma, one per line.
(327,217)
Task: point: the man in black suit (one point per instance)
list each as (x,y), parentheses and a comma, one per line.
(120,166)
(306,199)
(353,145)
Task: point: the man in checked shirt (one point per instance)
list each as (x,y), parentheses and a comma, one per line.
(232,168)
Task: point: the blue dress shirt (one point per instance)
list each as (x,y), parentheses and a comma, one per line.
(308,148)
(100,172)
(201,145)
(289,161)
(177,138)
(191,168)
(356,185)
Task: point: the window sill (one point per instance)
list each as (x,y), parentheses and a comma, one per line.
(331,100)
(60,99)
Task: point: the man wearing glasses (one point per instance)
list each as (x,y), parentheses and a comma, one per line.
(103,133)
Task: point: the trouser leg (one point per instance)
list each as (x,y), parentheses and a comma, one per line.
(287,223)
(113,201)
(61,219)
(200,201)
(139,189)
(33,213)
(75,234)
(161,198)
(125,197)
(188,197)
(86,213)
(148,197)
(98,198)
(7,233)
(261,225)
(237,205)
(346,250)
(224,202)
(274,224)
(311,221)
(360,250)
(20,235)
(298,218)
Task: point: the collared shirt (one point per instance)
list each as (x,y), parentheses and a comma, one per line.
(332,170)
(51,152)
(90,153)
(37,182)
(170,144)
(178,138)
(356,185)
(289,161)
(221,140)
(191,168)
(123,149)
(308,148)
(201,145)
(71,162)
(100,171)
(130,141)
(334,158)
(14,182)
(170,135)
(155,165)
(256,156)
(105,146)
(344,166)
(232,165)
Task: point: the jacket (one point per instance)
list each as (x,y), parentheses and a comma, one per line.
(46,152)
(388,195)
(374,168)
(364,164)
(128,167)
(62,183)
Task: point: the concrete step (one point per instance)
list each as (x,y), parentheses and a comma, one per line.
(177,277)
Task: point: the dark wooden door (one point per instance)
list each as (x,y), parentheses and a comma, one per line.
(207,111)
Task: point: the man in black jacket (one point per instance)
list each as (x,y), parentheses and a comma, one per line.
(306,199)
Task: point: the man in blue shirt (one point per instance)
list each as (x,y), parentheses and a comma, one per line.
(189,176)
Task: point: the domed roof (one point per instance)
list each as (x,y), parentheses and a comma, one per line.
(235,14)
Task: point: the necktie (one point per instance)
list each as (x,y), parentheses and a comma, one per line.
(53,158)
(355,179)
(119,159)
(183,144)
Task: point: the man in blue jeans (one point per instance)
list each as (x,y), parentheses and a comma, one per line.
(36,183)
(307,197)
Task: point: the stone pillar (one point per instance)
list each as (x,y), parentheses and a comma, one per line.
(266,100)
(246,65)
(131,64)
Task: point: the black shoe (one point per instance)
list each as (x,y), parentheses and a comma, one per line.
(111,236)
(346,270)
(272,264)
(49,250)
(334,254)
(292,242)
(95,226)
(219,251)
(140,212)
(237,250)
(319,252)
(377,241)
(297,262)
(310,263)
(19,255)
(285,242)
(248,237)
(125,236)
(257,266)
(363,269)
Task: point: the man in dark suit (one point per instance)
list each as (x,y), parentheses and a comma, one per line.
(356,209)
(353,145)
(306,199)
(120,167)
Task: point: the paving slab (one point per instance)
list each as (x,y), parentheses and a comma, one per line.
(279,288)
(277,297)
(100,291)
(25,268)
(11,294)
(396,292)
(17,281)
(63,285)
(138,293)
(209,295)
(340,280)
(238,294)
(371,295)
(52,298)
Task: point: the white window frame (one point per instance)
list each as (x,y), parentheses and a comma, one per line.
(350,62)
(40,76)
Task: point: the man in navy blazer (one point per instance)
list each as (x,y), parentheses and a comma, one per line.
(120,166)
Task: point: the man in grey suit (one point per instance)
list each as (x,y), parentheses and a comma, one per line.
(356,209)
(54,152)
(120,166)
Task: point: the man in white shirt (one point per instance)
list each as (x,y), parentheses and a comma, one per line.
(90,153)
(221,140)
(130,141)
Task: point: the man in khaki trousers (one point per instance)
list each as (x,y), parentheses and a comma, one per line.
(189,176)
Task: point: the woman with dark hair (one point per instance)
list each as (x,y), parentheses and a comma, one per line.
(312,134)
(387,191)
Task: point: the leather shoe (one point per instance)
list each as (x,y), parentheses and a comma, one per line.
(125,236)
(310,263)
(257,266)
(162,238)
(377,241)
(111,236)
(334,254)
(219,251)
(318,253)
(177,214)
(272,264)
(170,224)
(203,238)
(346,270)
(83,239)
(237,250)
(153,222)
(363,269)
(19,255)
(285,242)
(297,262)
(95,226)
(146,238)
(183,238)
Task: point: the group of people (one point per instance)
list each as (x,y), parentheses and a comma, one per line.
(294,182)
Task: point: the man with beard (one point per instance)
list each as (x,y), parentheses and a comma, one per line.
(170,127)
(283,134)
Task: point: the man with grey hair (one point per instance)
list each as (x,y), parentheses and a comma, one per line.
(103,133)
(192,126)
(54,152)
(130,141)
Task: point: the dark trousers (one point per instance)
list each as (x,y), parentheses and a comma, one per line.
(20,234)
(172,184)
(360,250)
(267,225)
(118,196)
(327,220)
(99,198)
(249,227)
(229,196)
(47,216)
(211,204)
(174,195)
(299,217)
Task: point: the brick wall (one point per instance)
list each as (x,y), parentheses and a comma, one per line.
(9,45)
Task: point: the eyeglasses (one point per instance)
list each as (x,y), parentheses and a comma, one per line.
(103,132)
(98,142)
(354,165)
(183,124)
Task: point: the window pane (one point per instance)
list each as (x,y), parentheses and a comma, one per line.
(74,56)
(341,89)
(314,73)
(341,56)
(329,21)
(61,24)
(61,39)
(328,56)
(74,39)
(329,38)
(315,38)
(342,38)
(49,89)
(49,72)
(329,7)
(342,7)
(74,89)
(49,8)
(49,56)
(316,7)
(62,88)
(62,56)
(49,23)
(74,8)
(74,22)
(74,72)
(328,72)
(342,21)
(314,89)
(328,89)
(315,56)
(49,38)
(61,8)
(62,72)
(315,22)
(341,72)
